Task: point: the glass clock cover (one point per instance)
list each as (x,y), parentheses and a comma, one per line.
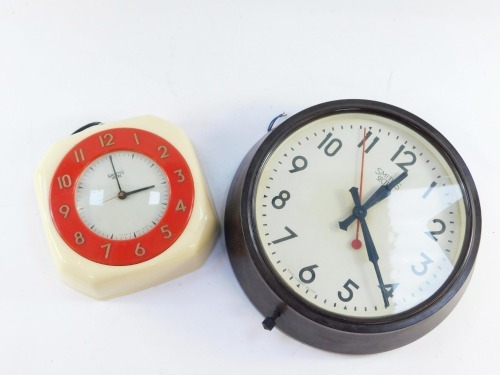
(125,206)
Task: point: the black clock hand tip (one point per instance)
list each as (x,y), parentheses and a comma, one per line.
(114,172)
(384,191)
(344,224)
(139,190)
(397,180)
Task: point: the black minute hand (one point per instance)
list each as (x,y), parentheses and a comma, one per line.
(114,172)
(380,194)
(360,214)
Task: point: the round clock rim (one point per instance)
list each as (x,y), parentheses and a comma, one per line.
(187,254)
(105,151)
(251,168)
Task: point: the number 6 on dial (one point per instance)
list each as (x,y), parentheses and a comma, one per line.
(353,226)
(125,206)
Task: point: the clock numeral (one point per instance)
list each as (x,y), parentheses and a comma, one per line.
(139,250)
(64,181)
(106,246)
(79,155)
(422,270)
(291,234)
(79,239)
(136,138)
(370,146)
(299,163)
(280,200)
(164,152)
(307,274)
(179,174)
(433,233)
(428,191)
(389,289)
(412,158)
(180,206)
(167,233)
(349,284)
(106,140)
(64,210)
(332,146)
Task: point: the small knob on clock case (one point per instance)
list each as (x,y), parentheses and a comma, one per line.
(270,322)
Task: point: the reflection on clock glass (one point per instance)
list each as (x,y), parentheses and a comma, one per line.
(389,258)
(122,195)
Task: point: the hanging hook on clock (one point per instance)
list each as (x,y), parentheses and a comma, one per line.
(86,126)
(271,124)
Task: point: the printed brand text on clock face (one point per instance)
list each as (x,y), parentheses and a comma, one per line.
(303,193)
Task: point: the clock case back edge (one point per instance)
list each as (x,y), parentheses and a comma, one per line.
(304,322)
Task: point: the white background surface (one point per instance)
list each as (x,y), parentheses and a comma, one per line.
(221,70)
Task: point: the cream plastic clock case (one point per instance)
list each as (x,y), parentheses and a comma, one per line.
(125,206)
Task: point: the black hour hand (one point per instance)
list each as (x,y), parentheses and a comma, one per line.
(380,194)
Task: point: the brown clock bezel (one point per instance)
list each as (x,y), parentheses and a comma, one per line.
(296,317)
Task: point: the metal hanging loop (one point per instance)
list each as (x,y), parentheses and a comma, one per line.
(271,124)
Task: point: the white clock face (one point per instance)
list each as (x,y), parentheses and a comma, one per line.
(383,262)
(122,195)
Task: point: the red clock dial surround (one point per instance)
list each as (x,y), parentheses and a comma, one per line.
(80,238)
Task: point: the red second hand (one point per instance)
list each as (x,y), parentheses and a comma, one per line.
(356,243)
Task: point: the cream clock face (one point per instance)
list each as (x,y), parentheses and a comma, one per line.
(122,195)
(125,206)
(383,261)
(353,226)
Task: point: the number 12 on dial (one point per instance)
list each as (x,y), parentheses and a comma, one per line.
(125,206)
(351,224)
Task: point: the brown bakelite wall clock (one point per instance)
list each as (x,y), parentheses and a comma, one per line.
(353,226)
